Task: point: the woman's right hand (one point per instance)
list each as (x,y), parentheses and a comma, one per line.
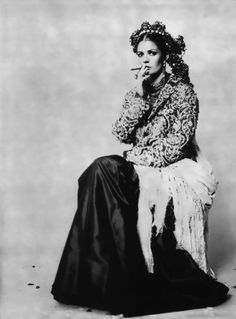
(140,77)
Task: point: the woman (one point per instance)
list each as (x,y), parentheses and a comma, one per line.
(137,244)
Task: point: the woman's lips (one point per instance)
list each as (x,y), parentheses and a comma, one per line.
(147,68)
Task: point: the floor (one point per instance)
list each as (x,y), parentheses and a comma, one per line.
(26,293)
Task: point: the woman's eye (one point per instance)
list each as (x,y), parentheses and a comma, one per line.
(139,54)
(152,52)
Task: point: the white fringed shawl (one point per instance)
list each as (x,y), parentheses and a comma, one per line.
(192,186)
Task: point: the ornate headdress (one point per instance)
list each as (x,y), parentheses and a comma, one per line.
(174,47)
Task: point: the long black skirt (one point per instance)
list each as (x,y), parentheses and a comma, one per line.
(102,265)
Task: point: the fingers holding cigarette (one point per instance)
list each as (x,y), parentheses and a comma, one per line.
(142,72)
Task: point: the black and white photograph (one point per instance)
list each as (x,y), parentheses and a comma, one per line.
(117,159)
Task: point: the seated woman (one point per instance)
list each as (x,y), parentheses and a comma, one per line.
(137,244)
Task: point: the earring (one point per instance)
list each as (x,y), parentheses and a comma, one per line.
(164,65)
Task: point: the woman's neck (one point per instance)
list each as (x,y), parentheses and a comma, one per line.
(156,78)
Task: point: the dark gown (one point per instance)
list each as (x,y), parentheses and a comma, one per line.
(102,265)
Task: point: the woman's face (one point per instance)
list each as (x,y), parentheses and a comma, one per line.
(150,56)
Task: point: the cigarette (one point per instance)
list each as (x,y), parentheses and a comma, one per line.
(134,69)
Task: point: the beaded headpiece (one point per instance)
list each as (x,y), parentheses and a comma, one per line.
(175,47)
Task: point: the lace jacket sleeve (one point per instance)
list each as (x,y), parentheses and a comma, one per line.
(133,109)
(172,147)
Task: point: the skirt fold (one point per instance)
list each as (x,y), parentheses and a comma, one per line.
(102,265)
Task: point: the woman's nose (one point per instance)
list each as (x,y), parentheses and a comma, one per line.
(145,59)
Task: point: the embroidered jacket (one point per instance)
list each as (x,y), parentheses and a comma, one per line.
(160,126)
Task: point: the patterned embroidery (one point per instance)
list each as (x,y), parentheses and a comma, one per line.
(134,107)
(160,126)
